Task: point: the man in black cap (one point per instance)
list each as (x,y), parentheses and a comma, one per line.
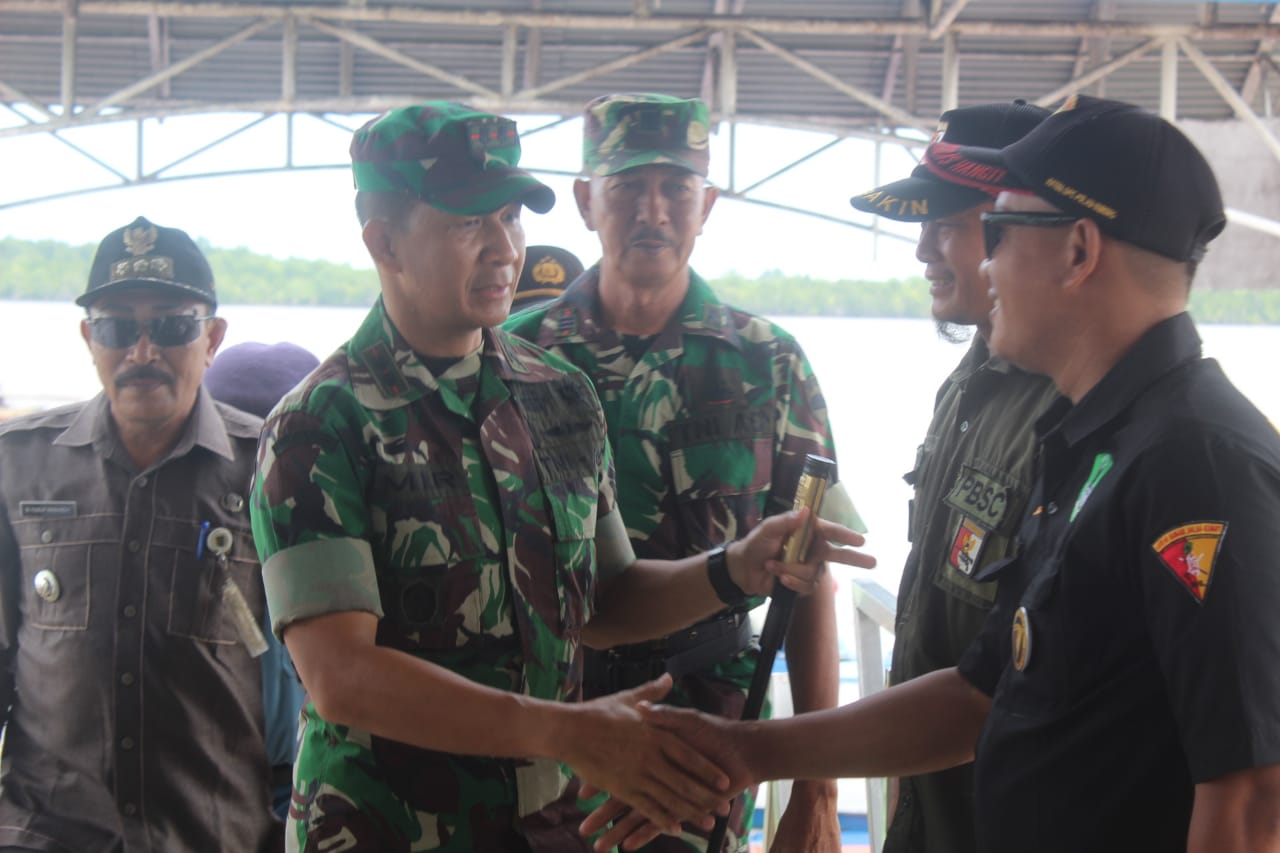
(973,471)
(1127,696)
(547,272)
(130,594)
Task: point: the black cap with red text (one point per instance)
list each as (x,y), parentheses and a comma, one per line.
(929,194)
(1133,173)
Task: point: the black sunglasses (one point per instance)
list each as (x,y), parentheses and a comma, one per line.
(170,330)
(993,224)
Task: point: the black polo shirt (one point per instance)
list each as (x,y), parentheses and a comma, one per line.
(1152,594)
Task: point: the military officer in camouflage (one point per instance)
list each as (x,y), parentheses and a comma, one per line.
(710,413)
(434,507)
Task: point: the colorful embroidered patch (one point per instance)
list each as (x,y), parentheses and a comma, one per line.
(1189,551)
(966,548)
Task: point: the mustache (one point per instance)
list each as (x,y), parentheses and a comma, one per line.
(653,235)
(143,373)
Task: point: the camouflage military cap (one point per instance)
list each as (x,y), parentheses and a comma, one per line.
(452,157)
(622,132)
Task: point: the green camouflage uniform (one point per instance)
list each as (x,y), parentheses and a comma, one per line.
(433,503)
(710,428)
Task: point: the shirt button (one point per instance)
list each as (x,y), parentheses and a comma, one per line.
(134,546)
(964,426)
(46,536)
(1051,508)
(130,809)
(130,611)
(126,743)
(126,680)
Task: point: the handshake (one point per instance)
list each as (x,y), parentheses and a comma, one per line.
(661,766)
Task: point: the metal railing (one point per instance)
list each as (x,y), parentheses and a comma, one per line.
(873,611)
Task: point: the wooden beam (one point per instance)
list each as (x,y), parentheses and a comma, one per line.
(70,23)
(16,96)
(833,27)
(1249,90)
(1169,81)
(950,72)
(289,60)
(510,47)
(942,22)
(1230,95)
(608,67)
(376,47)
(897,116)
(171,71)
(1098,73)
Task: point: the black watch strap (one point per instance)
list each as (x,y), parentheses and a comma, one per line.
(718,573)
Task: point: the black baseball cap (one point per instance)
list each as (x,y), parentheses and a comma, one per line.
(548,270)
(930,194)
(142,254)
(1133,173)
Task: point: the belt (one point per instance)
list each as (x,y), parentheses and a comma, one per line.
(694,649)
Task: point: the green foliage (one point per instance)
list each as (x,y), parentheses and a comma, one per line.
(777,294)
(54,271)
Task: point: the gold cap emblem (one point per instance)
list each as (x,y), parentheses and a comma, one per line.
(548,271)
(140,239)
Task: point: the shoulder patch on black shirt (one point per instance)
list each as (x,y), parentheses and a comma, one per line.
(1189,551)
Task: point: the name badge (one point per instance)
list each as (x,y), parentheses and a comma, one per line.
(47,509)
(981,497)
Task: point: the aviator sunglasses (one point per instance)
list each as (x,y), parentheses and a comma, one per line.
(170,330)
(993,224)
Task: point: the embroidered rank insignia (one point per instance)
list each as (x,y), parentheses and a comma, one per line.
(566,323)
(966,548)
(1189,551)
(1020,635)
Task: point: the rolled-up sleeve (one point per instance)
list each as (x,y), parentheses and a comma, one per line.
(310,520)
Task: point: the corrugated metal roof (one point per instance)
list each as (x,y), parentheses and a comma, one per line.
(883,48)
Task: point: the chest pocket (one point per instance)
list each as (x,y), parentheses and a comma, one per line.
(57,567)
(985,506)
(568,450)
(431,579)
(196,609)
(721,464)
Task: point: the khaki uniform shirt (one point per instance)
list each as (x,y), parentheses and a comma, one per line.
(135,716)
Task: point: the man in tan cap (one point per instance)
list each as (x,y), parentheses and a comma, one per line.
(710,411)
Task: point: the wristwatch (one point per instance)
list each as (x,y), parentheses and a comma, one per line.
(718,573)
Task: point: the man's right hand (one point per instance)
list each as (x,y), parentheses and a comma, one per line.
(653,770)
(706,738)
